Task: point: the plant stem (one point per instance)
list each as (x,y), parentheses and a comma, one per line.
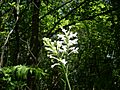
(66,76)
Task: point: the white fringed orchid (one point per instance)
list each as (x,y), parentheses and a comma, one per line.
(65,44)
(60,49)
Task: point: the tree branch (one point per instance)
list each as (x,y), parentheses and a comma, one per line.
(6,41)
(56,23)
(53,10)
(50,34)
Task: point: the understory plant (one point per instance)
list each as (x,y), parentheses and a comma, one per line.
(60,49)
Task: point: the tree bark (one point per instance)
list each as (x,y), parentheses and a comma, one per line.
(16,31)
(34,43)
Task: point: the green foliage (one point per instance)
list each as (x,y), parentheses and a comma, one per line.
(60,50)
(27,57)
(16,76)
(63,47)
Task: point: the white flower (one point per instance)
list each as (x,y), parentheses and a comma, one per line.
(108,56)
(63,30)
(59,43)
(63,61)
(52,66)
(75,41)
(65,44)
(75,50)
(48,49)
(61,50)
(72,35)
(52,43)
(72,42)
(52,57)
(60,36)
(46,39)
(70,26)
(64,48)
(72,48)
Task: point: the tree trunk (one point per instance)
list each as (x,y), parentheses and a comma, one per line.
(16,31)
(34,43)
